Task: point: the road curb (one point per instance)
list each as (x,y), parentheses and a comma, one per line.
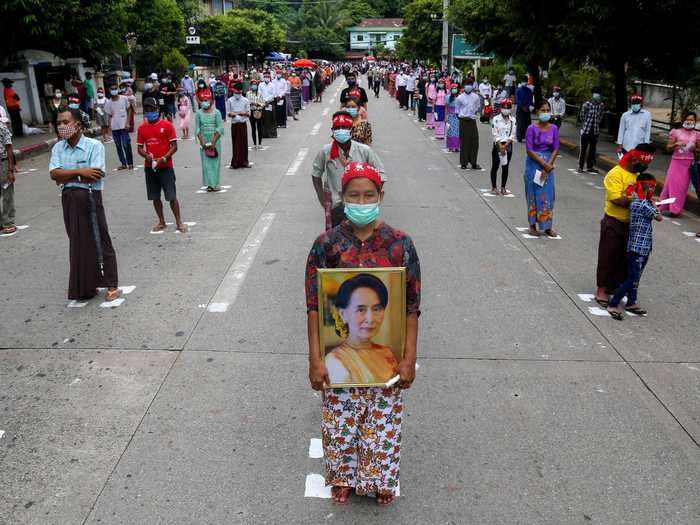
(45,145)
(692,204)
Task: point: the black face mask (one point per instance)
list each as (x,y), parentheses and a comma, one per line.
(638,167)
(351,82)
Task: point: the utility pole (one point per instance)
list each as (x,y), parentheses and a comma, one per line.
(445,55)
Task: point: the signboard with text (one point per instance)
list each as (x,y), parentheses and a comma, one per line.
(192,36)
(463,50)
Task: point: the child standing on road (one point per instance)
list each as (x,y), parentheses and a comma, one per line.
(642,212)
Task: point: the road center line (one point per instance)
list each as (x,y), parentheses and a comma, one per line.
(325,112)
(297,161)
(227,291)
(316,128)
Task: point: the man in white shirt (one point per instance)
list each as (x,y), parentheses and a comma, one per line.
(509,82)
(467,107)
(401,80)
(238,110)
(503,131)
(280,86)
(267,92)
(118,110)
(635,126)
(485,88)
(558,106)
(410,88)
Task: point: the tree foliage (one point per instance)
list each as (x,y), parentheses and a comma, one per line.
(423,37)
(159,27)
(241,31)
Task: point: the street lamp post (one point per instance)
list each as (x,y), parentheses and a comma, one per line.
(446,52)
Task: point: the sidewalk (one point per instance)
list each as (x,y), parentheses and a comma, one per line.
(569,136)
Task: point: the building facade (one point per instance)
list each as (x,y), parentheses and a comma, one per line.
(373,32)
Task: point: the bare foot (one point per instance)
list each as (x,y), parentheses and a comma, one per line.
(182,227)
(340,495)
(385,499)
(159,227)
(112,294)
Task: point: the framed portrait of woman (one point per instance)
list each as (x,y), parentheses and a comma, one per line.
(362,324)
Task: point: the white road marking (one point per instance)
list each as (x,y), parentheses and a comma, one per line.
(598,187)
(227,291)
(316,128)
(487,193)
(332,101)
(600,389)
(315,448)
(23,226)
(689,368)
(586,297)
(676,223)
(522,229)
(528,236)
(9,234)
(596,310)
(76,304)
(204,188)
(205,191)
(316,487)
(297,161)
(325,112)
(126,290)
(689,234)
(113,304)
(2,433)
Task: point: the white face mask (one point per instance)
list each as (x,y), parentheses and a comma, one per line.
(505,112)
(689,125)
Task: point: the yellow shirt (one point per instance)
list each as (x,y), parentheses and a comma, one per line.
(347,365)
(616,182)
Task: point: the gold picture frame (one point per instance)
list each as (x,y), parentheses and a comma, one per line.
(361,344)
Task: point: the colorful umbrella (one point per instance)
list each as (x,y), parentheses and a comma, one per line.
(304,62)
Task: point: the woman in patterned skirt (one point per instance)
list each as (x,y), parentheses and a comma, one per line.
(361,426)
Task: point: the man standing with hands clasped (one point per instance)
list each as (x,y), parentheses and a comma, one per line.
(238,110)
(156,140)
(467,106)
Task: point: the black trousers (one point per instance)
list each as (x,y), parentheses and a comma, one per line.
(468,141)
(496,163)
(281,114)
(256,128)
(16,119)
(589,141)
(377,85)
(522,121)
(403,97)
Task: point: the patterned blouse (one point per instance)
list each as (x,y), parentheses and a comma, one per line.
(362,132)
(386,248)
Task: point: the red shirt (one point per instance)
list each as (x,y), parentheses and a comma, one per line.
(155,139)
(11,98)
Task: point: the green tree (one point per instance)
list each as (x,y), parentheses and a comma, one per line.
(159,28)
(423,37)
(176,62)
(356,10)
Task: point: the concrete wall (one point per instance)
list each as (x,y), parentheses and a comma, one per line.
(21,87)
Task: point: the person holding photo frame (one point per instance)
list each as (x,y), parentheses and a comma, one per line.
(361,426)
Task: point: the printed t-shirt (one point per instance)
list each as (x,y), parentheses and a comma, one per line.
(155,139)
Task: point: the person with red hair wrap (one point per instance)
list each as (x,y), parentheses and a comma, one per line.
(355,420)
(330,163)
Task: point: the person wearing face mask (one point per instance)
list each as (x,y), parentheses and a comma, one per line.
(156,142)
(55,106)
(635,126)
(503,130)
(257,103)
(78,164)
(184,113)
(279,85)
(361,128)
(611,269)
(220,92)
(187,85)
(485,88)
(431,95)
(294,96)
(267,91)
(238,110)
(499,95)
(682,144)
(202,90)
(468,106)
(118,110)
(353,90)
(421,94)
(318,85)
(363,240)
(402,95)
(330,162)
(591,117)
(542,146)
(440,96)
(524,102)
(558,105)
(209,128)
(509,82)
(452,127)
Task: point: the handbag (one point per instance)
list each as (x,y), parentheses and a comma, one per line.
(257,114)
(210,151)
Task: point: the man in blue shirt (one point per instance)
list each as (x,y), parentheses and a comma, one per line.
(78,163)
(525,102)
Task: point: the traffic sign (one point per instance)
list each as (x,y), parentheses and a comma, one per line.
(463,50)
(191,39)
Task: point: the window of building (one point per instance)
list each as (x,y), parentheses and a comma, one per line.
(359,38)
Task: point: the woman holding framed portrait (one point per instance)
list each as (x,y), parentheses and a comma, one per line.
(363,300)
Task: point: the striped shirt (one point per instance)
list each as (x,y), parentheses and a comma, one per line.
(87,153)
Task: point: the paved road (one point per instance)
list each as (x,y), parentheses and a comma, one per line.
(528,407)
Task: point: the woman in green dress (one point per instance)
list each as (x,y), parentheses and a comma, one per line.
(209,130)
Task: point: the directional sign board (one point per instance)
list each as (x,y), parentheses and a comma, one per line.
(463,50)
(192,37)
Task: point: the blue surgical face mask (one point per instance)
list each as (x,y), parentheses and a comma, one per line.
(151,116)
(468,89)
(114,92)
(596,96)
(544,116)
(205,105)
(342,135)
(74,106)
(352,111)
(362,214)
(636,108)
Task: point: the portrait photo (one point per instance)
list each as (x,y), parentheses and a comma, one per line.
(362,324)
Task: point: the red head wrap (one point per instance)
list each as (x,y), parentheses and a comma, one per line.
(642,156)
(342,121)
(361,170)
(205,95)
(636,99)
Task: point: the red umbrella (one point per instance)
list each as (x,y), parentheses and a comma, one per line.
(304,62)
(371,59)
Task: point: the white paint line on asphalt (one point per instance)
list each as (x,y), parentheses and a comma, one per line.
(159,232)
(487,193)
(113,304)
(676,223)
(590,183)
(557,238)
(126,290)
(689,234)
(598,187)
(690,367)
(204,188)
(75,381)
(697,239)
(528,236)
(316,128)
(325,112)
(332,101)
(205,191)
(2,433)
(596,310)
(297,161)
(315,448)
(316,487)
(227,291)
(76,304)
(600,389)
(261,148)
(521,229)
(586,297)
(23,226)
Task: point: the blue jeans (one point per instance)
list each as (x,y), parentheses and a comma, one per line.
(123,144)
(635,267)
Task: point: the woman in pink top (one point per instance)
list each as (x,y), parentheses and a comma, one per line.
(440,95)
(682,142)
(184,114)
(431,93)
